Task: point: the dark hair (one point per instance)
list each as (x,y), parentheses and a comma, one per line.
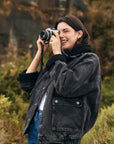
(77,25)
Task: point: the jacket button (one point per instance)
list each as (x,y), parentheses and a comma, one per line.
(35,104)
(56,101)
(28,119)
(77,102)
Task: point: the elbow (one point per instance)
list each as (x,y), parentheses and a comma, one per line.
(26,88)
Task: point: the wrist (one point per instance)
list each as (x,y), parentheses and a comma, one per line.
(57,53)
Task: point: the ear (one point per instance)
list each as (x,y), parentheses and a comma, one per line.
(80,33)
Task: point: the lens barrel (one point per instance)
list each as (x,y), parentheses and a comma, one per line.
(46,34)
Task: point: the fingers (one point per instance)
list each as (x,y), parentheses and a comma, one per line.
(55,43)
(52,38)
(56,34)
(40,41)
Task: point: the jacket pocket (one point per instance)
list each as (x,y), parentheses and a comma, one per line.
(67,114)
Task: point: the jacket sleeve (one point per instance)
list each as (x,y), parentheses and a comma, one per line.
(27,80)
(67,81)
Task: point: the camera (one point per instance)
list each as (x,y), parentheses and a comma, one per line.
(47,33)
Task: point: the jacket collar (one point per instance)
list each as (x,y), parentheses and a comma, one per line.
(77,51)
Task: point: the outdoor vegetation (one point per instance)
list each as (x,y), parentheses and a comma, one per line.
(14,101)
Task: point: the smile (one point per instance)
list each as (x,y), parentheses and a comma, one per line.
(63,42)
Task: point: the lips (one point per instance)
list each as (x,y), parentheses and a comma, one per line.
(63,41)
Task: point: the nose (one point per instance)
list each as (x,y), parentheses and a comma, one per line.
(61,34)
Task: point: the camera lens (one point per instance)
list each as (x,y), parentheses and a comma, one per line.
(43,35)
(46,34)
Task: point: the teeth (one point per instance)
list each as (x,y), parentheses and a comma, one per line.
(63,41)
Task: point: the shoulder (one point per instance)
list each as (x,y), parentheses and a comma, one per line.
(89,59)
(92,57)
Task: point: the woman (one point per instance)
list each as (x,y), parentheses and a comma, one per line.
(65,96)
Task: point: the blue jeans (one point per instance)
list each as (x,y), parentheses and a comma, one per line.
(33,128)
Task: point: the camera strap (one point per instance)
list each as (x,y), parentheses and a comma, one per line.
(42,46)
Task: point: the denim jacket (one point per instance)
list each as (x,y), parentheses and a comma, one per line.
(73,91)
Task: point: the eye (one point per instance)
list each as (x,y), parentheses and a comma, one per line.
(66,31)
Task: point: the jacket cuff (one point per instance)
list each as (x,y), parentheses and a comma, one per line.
(27,76)
(53,59)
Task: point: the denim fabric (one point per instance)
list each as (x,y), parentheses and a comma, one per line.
(33,129)
(75,88)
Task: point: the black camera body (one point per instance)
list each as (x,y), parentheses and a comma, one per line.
(47,33)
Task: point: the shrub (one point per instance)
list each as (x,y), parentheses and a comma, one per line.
(4,106)
(103,130)
(107,96)
(9,72)
(13,121)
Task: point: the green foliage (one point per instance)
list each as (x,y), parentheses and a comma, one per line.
(13,121)
(4,105)
(103,130)
(100,23)
(13,101)
(8,77)
(107,97)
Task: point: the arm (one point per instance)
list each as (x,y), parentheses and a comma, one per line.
(35,63)
(27,80)
(28,77)
(68,80)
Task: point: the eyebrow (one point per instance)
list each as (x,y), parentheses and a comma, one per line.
(64,29)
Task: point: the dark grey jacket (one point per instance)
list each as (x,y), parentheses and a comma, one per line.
(73,97)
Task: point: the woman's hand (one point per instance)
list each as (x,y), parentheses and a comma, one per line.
(39,45)
(55,43)
(35,62)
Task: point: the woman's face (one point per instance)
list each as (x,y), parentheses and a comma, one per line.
(68,35)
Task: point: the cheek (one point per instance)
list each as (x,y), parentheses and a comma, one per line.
(75,37)
(73,40)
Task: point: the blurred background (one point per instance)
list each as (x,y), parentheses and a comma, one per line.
(21,21)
